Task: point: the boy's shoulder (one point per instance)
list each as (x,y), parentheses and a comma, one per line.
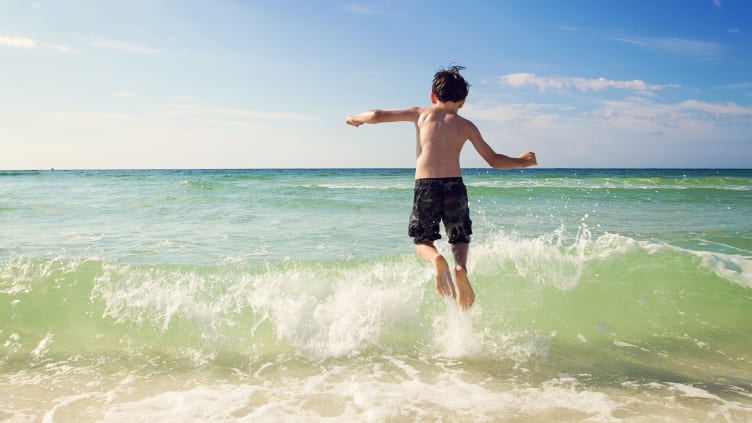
(439,114)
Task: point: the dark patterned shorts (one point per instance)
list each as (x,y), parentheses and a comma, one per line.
(436,200)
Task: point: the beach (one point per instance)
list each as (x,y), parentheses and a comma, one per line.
(606,295)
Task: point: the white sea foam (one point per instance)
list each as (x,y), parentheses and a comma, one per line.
(156,296)
(395,388)
(551,260)
(43,346)
(693,391)
(545,260)
(454,335)
(734,268)
(340,314)
(396,392)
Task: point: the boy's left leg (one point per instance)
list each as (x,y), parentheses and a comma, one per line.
(465,294)
(427,251)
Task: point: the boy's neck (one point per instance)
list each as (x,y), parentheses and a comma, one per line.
(449,106)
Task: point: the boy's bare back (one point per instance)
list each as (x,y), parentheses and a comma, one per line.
(440,135)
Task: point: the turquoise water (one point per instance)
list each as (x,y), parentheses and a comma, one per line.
(277,295)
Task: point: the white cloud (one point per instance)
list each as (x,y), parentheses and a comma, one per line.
(518,80)
(635,131)
(566,27)
(17,42)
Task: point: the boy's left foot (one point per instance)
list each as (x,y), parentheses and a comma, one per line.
(444,284)
(465,294)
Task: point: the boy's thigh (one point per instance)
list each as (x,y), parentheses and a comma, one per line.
(456,214)
(426,215)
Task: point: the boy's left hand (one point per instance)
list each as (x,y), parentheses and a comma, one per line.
(528,159)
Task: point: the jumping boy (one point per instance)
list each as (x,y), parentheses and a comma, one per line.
(440,194)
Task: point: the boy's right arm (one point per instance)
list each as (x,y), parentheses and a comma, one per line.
(379,116)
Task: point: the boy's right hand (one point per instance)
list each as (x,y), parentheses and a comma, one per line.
(354,121)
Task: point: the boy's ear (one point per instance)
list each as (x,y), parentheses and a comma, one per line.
(433,98)
(462,103)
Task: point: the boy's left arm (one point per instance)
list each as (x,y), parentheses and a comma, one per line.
(379,116)
(496,160)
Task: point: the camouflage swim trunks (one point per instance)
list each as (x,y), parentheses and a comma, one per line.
(440,199)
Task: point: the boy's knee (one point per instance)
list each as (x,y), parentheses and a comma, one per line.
(427,242)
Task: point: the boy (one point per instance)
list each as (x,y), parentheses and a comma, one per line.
(440,194)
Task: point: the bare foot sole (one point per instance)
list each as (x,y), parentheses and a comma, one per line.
(465,294)
(444,284)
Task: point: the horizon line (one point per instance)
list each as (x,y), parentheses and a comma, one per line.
(358,168)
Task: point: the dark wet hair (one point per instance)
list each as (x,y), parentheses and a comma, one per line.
(449,85)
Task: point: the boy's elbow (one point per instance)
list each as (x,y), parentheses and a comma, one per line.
(374,116)
(503,162)
(499,162)
(377,116)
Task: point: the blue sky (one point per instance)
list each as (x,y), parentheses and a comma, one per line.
(257,84)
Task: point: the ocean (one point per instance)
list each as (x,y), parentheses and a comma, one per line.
(602,295)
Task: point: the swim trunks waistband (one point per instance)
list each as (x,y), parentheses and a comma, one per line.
(425,181)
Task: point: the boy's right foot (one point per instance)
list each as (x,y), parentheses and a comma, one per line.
(465,294)
(444,284)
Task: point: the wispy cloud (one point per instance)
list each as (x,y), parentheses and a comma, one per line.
(360,9)
(738,85)
(518,80)
(717,3)
(729,110)
(17,42)
(61,48)
(28,43)
(208,112)
(110,44)
(639,113)
(680,46)
(632,113)
(102,42)
(566,27)
(530,112)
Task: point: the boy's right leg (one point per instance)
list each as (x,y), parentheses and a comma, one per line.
(444,285)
